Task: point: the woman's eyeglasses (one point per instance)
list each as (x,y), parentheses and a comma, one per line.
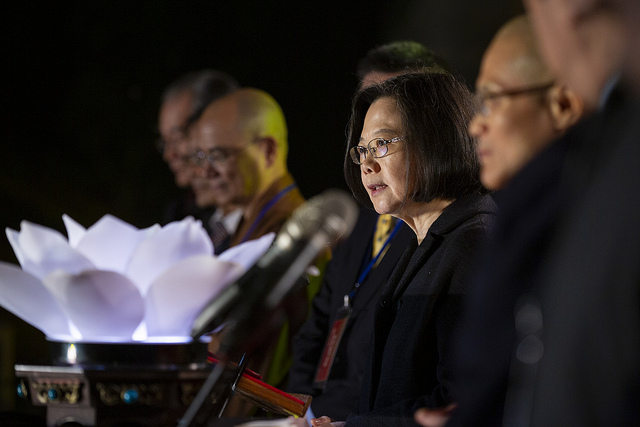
(378,147)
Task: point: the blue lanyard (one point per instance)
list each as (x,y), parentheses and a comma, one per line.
(265,209)
(363,275)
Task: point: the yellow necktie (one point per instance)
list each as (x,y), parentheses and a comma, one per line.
(383,228)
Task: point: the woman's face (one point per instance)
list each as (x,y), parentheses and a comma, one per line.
(384,178)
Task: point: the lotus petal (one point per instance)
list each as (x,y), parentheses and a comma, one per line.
(177,296)
(109,243)
(84,294)
(149,231)
(75,231)
(103,305)
(41,250)
(246,254)
(25,296)
(161,250)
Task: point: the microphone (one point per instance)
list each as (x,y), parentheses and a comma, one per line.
(313,227)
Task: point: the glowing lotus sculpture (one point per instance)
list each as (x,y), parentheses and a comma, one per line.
(113,282)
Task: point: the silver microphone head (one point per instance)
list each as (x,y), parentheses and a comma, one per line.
(323,219)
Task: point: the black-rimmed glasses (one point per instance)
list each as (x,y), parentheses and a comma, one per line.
(378,147)
(481,98)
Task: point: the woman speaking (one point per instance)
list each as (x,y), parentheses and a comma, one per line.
(409,155)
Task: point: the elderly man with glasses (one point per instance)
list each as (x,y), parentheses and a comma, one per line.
(239,154)
(521,111)
(183,101)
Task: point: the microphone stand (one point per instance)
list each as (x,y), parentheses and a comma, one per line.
(242,365)
(252,328)
(255,306)
(250,325)
(213,395)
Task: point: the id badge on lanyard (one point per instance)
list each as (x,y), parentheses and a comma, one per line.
(331,345)
(337,330)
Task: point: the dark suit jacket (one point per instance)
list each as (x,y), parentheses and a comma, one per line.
(342,390)
(582,358)
(522,232)
(417,315)
(589,373)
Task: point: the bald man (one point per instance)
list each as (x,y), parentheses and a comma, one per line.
(240,150)
(521,107)
(521,112)
(589,370)
(240,154)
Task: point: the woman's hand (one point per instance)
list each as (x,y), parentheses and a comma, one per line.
(433,417)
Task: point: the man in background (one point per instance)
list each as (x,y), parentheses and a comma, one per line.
(239,151)
(576,358)
(394,59)
(587,359)
(522,110)
(183,101)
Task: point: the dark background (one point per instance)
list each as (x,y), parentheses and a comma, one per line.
(83,81)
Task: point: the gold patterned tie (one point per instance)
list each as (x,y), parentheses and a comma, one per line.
(383,228)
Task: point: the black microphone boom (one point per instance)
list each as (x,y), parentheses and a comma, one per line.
(312,228)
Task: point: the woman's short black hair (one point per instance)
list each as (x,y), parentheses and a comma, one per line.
(440,155)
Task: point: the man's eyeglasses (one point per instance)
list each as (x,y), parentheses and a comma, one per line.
(214,156)
(378,147)
(483,98)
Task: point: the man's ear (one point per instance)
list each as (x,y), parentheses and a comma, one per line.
(269,147)
(566,107)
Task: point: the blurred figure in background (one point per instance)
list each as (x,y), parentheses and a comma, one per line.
(359,269)
(183,101)
(396,58)
(239,152)
(576,359)
(521,111)
(584,368)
